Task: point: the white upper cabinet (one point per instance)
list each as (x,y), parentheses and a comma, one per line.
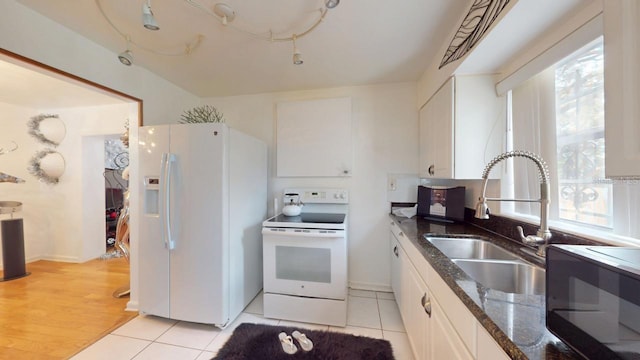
(314,138)
(622,88)
(462,127)
(436,134)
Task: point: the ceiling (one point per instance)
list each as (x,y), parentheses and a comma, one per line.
(528,19)
(28,86)
(359,42)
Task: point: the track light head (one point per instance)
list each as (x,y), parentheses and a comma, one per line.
(126,57)
(297,58)
(225,12)
(148,20)
(330,4)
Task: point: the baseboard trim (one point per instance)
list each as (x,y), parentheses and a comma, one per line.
(357,285)
(132,306)
(31,259)
(61,258)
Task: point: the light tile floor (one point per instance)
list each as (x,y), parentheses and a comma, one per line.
(370,313)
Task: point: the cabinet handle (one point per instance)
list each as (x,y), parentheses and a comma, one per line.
(395,250)
(432,170)
(426,304)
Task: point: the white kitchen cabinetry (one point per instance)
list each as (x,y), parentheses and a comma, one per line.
(445,342)
(488,349)
(396,267)
(438,324)
(314,138)
(412,297)
(462,127)
(622,88)
(436,134)
(417,307)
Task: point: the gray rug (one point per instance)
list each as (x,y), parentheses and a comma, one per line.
(256,342)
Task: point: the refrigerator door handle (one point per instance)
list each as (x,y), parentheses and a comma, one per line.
(167,159)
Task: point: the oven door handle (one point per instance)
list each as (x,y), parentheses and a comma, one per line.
(312,233)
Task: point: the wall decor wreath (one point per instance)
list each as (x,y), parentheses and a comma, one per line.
(47,171)
(53,134)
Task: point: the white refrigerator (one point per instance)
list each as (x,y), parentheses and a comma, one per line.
(203,200)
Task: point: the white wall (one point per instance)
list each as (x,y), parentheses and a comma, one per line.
(434,77)
(532,50)
(385,140)
(65,221)
(550,38)
(83,183)
(30,34)
(25,32)
(13,123)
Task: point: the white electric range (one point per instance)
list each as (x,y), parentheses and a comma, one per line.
(305,259)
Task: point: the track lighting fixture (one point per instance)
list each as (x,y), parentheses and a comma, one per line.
(222,13)
(148,20)
(297,57)
(330,4)
(225,12)
(126,57)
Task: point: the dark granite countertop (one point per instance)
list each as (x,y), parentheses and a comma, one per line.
(515,321)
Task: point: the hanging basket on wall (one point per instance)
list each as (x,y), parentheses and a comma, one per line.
(47,129)
(47,165)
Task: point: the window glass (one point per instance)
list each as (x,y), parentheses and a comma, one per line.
(579,105)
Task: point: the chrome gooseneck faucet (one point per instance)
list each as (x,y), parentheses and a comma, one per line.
(541,239)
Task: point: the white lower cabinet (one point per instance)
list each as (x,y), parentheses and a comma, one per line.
(416,321)
(445,342)
(438,324)
(396,267)
(488,349)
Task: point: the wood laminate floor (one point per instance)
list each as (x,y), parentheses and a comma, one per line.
(61,308)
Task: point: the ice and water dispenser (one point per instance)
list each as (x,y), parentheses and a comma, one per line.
(151,195)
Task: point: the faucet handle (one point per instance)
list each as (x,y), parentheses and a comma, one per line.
(529,239)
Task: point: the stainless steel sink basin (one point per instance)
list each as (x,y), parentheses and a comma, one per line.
(507,276)
(469,248)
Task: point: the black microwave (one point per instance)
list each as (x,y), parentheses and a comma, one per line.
(593,299)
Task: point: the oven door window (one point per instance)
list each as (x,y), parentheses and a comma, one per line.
(311,266)
(303,264)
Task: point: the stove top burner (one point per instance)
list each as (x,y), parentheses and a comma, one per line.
(309,218)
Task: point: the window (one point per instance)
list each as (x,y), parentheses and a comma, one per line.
(559,114)
(579,105)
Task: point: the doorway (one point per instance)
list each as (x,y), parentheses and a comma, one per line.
(58,217)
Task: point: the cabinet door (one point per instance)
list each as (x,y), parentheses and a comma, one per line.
(417,319)
(442,132)
(436,134)
(396,268)
(427,145)
(304,130)
(445,342)
(488,349)
(462,126)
